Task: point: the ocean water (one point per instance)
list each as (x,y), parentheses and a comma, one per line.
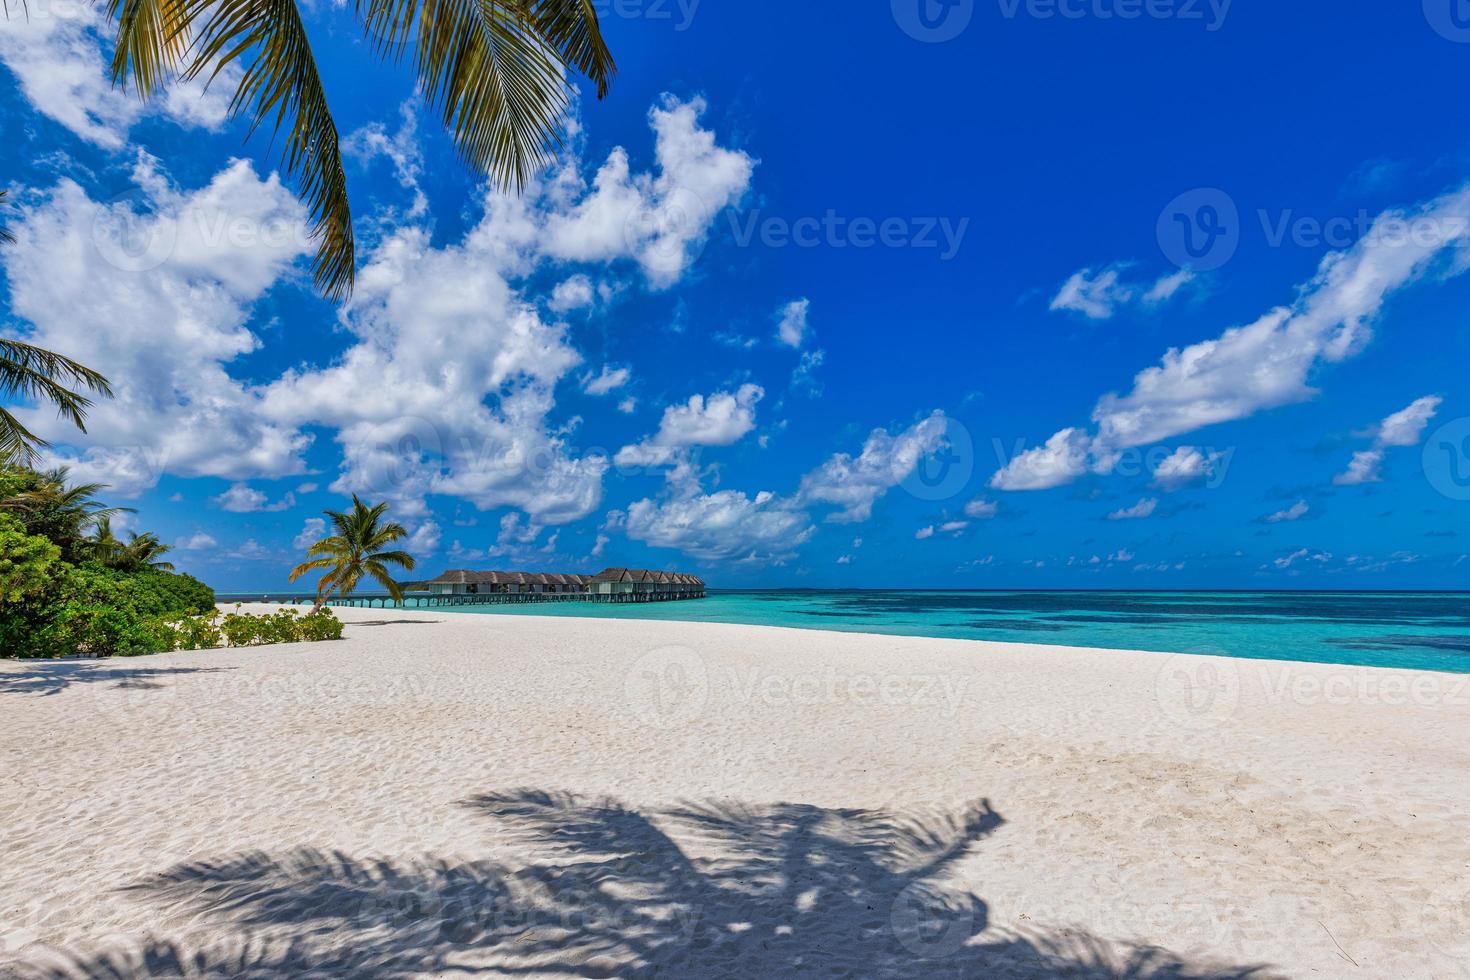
(1424,630)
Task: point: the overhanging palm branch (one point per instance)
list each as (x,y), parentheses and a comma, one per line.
(355,551)
(6,238)
(27,371)
(494,69)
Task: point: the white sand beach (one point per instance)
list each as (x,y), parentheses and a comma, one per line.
(445,794)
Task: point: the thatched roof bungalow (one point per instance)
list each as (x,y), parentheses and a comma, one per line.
(609,581)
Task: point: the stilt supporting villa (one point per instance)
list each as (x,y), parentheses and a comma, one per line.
(462,587)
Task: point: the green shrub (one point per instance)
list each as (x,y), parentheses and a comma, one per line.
(320,625)
(28,562)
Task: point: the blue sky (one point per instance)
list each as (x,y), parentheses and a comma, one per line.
(809,301)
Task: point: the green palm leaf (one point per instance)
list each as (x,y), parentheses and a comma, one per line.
(354,551)
(27,371)
(494,69)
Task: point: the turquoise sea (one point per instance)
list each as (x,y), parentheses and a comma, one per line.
(1425,630)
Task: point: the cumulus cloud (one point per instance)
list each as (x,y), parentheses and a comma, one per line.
(1266,364)
(791,326)
(855,483)
(981,509)
(722,525)
(424,540)
(113,285)
(401,149)
(609,379)
(57,54)
(1064,457)
(1186,467)
(719,420)
(658,220)
(1144,508)
(572,293)
(1403,428)
(311,532)
(1099,294)
(1295,512)
(198,541)
(241,498)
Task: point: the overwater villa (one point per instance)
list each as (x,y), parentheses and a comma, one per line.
(608,585)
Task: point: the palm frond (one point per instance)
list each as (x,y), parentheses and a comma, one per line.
(33,372)
(497,82)
(309,566)
(379,573)
(152,39)
(6,238)
(279,83)
(400,558)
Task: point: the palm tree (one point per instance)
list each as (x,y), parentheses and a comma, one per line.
(28,371)
(355,551)
(143,551)
(494,69)
(64,514)
(139,553)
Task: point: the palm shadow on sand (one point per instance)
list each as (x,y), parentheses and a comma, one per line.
(711,890)
(46,677)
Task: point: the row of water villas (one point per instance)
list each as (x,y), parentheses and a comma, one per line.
(464,587)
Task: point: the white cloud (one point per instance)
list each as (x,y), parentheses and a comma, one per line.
(722,525)
(1144,508)
(197,263)
(924,532)
(1064,457)
(401,149)
(1403,428)
(1099,295)
(1286,561)
(198,541)
(660,221)
(311,532)
(804,375)
(844,559)
(241,498)
(628,405)
(719,420)
(600,545)
(1295,512)
(56,52)
(424,540)
(1266,364)
(1185,467)
(981,509)
(855,484)
(609,379)
(573,293)
(1362,468)
(1406,426)
(952,527)
(791,327)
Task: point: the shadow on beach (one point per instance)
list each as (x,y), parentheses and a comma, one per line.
(709,890)
(53,676)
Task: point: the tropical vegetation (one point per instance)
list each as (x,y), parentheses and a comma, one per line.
(70,587)
(494,70)
(358,549)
